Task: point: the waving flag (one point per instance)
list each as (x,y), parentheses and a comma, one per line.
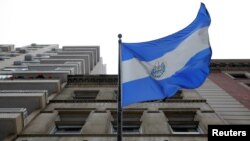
(157,69)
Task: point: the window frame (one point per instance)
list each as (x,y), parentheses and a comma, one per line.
(63,120)
(67,125)
(245,84)
(128,125)
(182,117)
(231,73)
(89,94)
(134,121)
(199,131)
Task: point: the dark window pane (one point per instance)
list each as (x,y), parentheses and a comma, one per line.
(184,126)
(85,94)
(239,75)
(131,122)
(68,129)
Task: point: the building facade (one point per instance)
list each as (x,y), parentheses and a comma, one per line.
(32,75)
(81,105)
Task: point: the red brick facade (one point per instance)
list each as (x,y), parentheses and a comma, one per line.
(233,87)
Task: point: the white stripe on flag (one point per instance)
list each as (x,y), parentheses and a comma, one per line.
(134,69)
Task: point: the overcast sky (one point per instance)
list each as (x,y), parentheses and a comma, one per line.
(97,22)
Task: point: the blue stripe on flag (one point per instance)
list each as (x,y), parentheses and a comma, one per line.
(194,73)
(144,90)
(147,51)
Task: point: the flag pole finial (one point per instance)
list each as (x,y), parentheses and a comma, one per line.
(119,36)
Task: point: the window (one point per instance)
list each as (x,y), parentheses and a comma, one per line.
(131,122)
(73,115)
(5,76)
(70,122)
(85,95)
(182,122)
(184,127)
(238,75)
(70,128)
(128,127)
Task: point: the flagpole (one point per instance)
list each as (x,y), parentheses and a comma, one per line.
(119,108)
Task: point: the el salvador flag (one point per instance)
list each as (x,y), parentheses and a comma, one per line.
(157,69)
